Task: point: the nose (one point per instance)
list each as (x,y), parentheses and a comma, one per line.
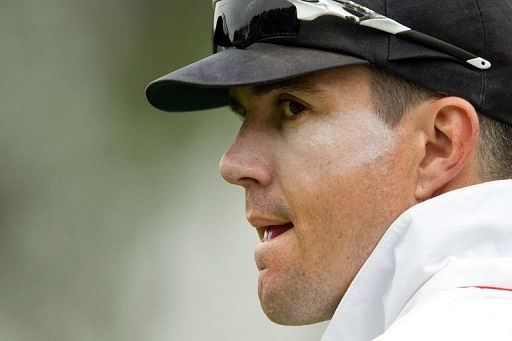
(246,162)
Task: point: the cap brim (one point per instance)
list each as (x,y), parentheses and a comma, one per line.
(204,84)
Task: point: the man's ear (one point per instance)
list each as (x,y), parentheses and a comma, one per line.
(451,130)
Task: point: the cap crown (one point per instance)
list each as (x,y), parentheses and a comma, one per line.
(482,27)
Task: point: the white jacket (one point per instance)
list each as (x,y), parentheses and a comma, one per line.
(421,281)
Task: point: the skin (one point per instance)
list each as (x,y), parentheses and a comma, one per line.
(314,152)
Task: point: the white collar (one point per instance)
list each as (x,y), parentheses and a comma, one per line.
(472,223)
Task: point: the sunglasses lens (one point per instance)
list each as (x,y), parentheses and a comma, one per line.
(240,23)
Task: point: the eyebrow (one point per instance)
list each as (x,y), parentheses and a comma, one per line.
(302,85)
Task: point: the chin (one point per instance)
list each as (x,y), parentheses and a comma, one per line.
(286,319)
(295,300)
(287,311)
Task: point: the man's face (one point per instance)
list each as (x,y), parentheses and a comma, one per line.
(324,177)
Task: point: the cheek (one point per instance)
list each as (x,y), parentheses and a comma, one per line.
(329,149)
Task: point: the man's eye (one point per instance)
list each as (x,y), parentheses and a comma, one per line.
(292,109)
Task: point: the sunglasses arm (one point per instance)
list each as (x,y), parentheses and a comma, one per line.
(311,9)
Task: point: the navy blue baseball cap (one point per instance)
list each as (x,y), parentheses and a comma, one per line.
(457,47)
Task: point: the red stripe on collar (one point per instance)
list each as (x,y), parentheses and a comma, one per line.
(486,287)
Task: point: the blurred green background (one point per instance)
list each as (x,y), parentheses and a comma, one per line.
(114,222)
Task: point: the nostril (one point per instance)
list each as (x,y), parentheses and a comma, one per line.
(246,181)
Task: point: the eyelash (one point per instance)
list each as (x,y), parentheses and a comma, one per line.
(282,102)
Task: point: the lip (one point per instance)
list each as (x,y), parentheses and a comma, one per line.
(268,226)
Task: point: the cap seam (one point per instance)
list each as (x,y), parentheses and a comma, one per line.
(484,74)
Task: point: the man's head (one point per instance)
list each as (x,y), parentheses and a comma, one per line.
(326,170)
(346,127)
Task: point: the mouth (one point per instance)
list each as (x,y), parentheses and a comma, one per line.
(273,231)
